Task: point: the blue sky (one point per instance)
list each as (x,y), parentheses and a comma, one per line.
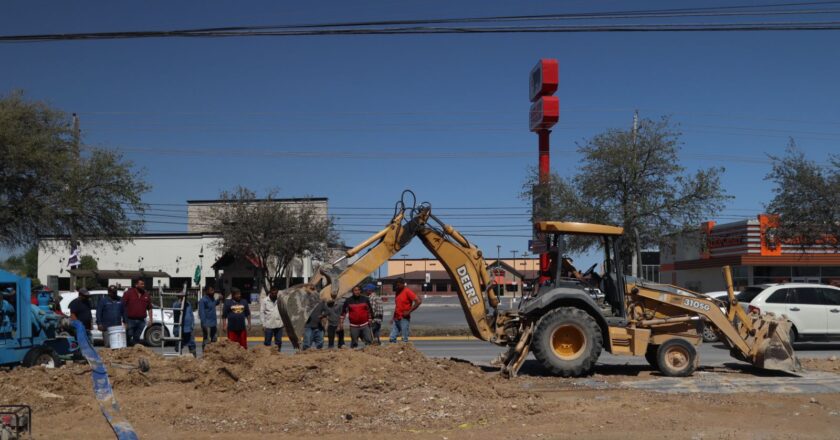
(736,95)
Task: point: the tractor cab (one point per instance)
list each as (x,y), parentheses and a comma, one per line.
(606,284)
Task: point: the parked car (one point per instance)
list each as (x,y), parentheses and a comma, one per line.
(814,309)
(709,334)
(152,335)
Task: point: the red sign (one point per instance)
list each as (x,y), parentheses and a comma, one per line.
(544,113)
(544,79)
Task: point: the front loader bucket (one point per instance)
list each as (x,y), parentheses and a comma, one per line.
(773,349)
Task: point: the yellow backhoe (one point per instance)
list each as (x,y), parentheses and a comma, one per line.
(563,322)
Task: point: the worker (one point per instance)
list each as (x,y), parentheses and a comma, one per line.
(207,316)
(335,325)
(137,304)
(235,314)
(80,310)
(313,332)
(378,312)
(187,324)
(110,312)
(360,314)
(271,321)
(405,302)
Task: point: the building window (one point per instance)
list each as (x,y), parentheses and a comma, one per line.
(511,288)
(441,287)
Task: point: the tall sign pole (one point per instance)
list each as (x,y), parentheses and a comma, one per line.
(544,113)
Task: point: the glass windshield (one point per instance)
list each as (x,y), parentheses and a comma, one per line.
(748,294)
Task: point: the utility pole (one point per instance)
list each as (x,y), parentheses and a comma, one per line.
(404,255)
(634,260)
(515,270)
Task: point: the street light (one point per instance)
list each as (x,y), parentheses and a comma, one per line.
(404,255)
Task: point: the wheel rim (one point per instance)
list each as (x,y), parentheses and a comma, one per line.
(709,334)
(677,358)
(156,336)
(46,360)
(568,341)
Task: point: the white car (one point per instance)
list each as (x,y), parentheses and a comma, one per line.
(152,335)
(814,309)
(709,334)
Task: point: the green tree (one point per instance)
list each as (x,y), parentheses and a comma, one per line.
(807,198)
(87,262)
(270,232)
(633,180)
(50,184)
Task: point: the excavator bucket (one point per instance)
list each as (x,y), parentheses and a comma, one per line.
(295,305)
(772,346)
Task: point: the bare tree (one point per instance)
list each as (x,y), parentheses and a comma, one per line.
(270,232)
(632,181)
(807,198)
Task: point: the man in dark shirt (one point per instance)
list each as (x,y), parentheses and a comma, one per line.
(234,315)
(313,333)
(137,303)
(109,313)
(80,310)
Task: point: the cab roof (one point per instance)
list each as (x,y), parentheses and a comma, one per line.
(578,228)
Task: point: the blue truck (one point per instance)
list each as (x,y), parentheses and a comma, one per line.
(30,334)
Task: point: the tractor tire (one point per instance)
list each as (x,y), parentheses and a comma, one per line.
(153,335)
(677,358)
(652,356)
(41,356)
(567,342)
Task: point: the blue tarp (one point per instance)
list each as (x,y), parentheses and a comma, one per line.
(102,387)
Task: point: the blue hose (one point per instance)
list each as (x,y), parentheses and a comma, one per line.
(102,387)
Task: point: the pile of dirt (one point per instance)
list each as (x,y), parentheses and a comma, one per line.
(385,387)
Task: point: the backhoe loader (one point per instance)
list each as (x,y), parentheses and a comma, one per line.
(562,322)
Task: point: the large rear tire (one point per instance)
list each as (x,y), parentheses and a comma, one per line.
(677,358)
(567,342)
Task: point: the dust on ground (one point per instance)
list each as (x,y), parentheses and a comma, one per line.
(380,391)
(830,364)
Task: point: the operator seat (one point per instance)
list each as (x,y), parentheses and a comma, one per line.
(611,291)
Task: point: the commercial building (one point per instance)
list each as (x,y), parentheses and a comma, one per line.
(427,275)
(751,247)
(168,260)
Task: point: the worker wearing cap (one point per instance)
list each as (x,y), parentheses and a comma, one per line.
(110,312)
(80,310)
(378,312)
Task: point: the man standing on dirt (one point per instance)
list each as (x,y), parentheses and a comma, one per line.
(313,332)
(405,302)
(138,305)
(80,310)
(207,316)
(378,312)
(110,312)
(335,325)
(234,315)
(271,321)
(358,308)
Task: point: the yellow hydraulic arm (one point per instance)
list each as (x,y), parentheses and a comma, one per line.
(467,268)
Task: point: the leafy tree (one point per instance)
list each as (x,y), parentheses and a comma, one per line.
(807,198)
(632,181)
(270,232)
(87,262)
(52,185)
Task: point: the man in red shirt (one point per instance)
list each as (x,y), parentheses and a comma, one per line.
(360,311)
(405,302)
(137,305)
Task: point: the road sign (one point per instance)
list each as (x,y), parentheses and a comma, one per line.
(537,246)
(428,277)
(544,113)
(544,79)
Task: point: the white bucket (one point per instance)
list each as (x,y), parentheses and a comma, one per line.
(116,336)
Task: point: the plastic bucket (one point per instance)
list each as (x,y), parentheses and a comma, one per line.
(116,336)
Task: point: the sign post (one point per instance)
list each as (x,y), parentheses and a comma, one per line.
(544,113)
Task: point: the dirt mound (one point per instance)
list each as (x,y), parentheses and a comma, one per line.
(386,387)
(831,364)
